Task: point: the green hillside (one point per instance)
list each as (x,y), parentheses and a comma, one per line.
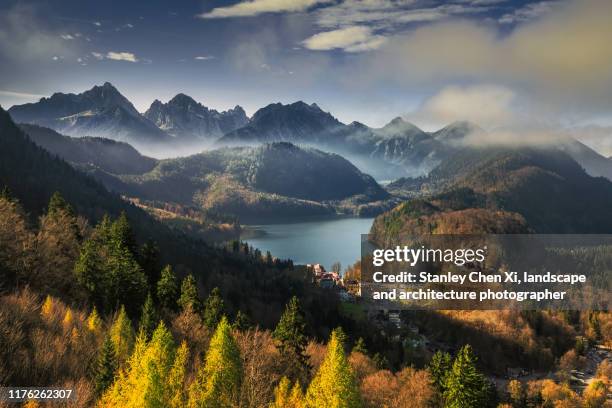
(254,183)
(514,190)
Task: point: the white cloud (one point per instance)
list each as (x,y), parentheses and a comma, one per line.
(350,39)
(23,95)
(485,2)
(25,36)
(390,14)
(117,56)
(121,56)
(256,7)
(597,137)
(386,16)
(97,23)
(67,37)
(487,105)
(528,12)
(204,57)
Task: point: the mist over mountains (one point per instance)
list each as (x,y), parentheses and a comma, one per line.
(183,126)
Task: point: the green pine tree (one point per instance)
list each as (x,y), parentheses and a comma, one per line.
(148,318)
(213,309)
(90,273)
(148,258)
(241,322)
(189,294)
(6,193)
(360,346)
(290,333)
(380,361)
(63,212)
(106,367)
(123,235)
(109,272)
(128,283)
(439,368)
(334,384)
(167,290)
(465,386)
(57,203)
(217,383)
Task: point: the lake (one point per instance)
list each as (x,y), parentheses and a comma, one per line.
(321,241)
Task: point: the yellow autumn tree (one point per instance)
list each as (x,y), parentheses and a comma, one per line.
(286,396)
(595,394)
(282,394)
(218,381)
(296,399)
(334,384)
(48,307)
(147,381)
(68,318)
(122,335)
(176,378)
(93,321)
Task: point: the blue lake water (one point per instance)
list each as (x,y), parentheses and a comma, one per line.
(322,241)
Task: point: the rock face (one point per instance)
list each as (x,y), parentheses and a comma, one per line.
(100,112)
(404,144)
(183,117)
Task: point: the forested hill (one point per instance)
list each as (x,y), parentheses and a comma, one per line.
(33,175)
(268,181)
(541,190)
(91,152)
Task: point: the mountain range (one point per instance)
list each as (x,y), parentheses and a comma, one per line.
(182,126)
(100,112)
(104,112)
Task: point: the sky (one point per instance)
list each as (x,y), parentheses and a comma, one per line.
(500,63)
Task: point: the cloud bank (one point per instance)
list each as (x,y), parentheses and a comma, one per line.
(560,60)
(350,39)
(256,7)
(487,105)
